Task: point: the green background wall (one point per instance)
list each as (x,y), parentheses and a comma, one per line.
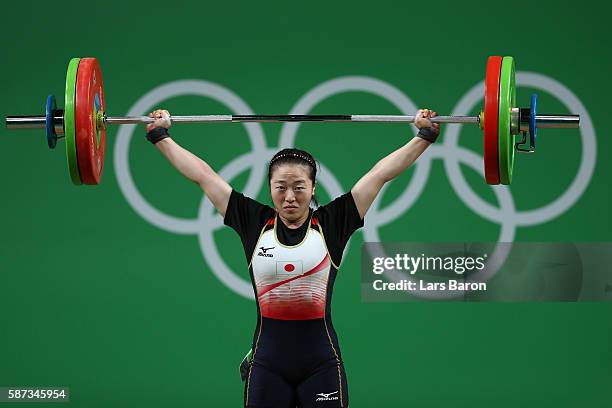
(126,314)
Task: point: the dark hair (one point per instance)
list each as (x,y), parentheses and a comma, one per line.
(294,156)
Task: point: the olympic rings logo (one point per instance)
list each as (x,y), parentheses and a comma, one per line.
(449,151)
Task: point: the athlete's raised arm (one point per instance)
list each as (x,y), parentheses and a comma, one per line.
(367,188)
(188,164)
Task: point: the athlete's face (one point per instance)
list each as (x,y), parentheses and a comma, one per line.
(291,190)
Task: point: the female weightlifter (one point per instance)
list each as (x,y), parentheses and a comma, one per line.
(293,254)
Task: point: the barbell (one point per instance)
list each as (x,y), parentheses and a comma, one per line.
(83,121)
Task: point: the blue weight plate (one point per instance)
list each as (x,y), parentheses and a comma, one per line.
(51,136)
(532,120)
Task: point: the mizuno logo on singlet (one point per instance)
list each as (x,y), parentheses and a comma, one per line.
(327,397)
(264,252)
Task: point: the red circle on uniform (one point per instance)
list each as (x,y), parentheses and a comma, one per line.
(289,268)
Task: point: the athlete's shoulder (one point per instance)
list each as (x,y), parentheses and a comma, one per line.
(339,204)
(242,199)
(246,211)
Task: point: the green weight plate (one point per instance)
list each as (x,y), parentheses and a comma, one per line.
(513,105)
(507,101)
(69,122)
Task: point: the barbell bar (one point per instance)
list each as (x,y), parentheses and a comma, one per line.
(40,122)
(83,122)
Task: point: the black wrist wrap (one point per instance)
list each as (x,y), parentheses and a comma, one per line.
(157,134)
(429,134)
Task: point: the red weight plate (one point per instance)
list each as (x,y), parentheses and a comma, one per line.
(89,102)
(491,152)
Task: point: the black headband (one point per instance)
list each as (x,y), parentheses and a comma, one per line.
(297,155)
